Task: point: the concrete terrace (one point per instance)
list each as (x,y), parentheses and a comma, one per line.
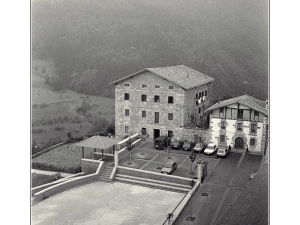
(106,203)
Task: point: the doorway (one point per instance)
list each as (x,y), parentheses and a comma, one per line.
(156,133)
(239,143)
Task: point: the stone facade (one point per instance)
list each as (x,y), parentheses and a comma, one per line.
(172,105)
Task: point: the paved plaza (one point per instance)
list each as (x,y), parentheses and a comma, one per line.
(105,203)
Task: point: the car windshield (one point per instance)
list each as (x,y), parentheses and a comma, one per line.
(221,150)
(197,145)
(168,165)
(210,147)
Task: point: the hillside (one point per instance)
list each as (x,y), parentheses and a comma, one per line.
(57,112)
(95,42)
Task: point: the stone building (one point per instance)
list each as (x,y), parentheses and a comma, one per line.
(240,122)
(161,100)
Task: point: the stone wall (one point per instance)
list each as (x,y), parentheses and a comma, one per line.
(184,104)
(89,166)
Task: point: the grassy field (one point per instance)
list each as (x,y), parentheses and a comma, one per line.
(56,112)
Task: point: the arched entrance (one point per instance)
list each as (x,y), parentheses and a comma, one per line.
(239,143)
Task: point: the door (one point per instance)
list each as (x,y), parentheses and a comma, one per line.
(239,143)
(156,133)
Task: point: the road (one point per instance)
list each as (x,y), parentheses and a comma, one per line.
(222,185)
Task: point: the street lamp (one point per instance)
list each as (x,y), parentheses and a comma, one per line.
(129,148)
(192,157)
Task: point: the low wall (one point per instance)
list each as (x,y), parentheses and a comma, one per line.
(44,186)
(77,181)
(182,204)
(153,175)
(123,152)
(189,133)
(47,149)
(89,166)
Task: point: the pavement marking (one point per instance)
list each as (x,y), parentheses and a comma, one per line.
(213,220)
(151,160)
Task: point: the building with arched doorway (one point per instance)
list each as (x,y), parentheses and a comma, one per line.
(240,122)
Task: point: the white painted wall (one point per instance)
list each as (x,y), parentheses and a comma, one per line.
(215,125)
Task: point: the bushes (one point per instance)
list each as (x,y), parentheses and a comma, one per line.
(59,128)
(43,105)
(38,130)
(50,167)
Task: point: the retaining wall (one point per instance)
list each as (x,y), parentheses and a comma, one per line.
(44,186)
(47,149)
(77,181)
(89,166)
(153,175)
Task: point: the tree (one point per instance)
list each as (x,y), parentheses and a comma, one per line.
(129,148)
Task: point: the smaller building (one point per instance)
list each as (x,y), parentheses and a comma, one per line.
(239,122)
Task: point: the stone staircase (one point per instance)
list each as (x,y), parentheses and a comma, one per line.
(152,183)
(105,173)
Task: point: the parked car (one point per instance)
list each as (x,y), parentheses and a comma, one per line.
(210,149)
(187,145)
(169,167)
(199,147)
(176,144)
(162,142)
(222,152)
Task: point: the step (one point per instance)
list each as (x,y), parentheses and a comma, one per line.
(155,185)
(154,181)
(104,179)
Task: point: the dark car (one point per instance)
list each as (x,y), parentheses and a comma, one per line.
(187,146)
(199,147)
(169,167)
(162,142)
(176,144)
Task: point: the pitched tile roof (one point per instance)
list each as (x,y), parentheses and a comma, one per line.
(251,206)
(246,100)
(99,142)
(181,75)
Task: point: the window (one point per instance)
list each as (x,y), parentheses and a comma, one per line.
(171,87)
(156,98)
(253,128)
(144,114)
(197,102)
(144,98)
(126,112)
(199,110)
(252,141)
(256,115)
(222,138)
(170,133)
(222,124)
(144,131)
(196,95)
(170,116)
(200,95)
(144,86)
(221,110)
(156,86)
(126,129)
(240,126)
(240,114)
(170,100)
(156,119)
(126,85)
(205,92)
(126,96)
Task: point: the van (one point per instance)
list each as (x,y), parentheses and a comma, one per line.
(162,142)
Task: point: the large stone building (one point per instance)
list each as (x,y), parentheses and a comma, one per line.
(160,100)
(240,122)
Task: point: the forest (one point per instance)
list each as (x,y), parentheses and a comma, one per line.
(94,42)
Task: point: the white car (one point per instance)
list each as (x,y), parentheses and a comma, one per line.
(210,149)
(222,152)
